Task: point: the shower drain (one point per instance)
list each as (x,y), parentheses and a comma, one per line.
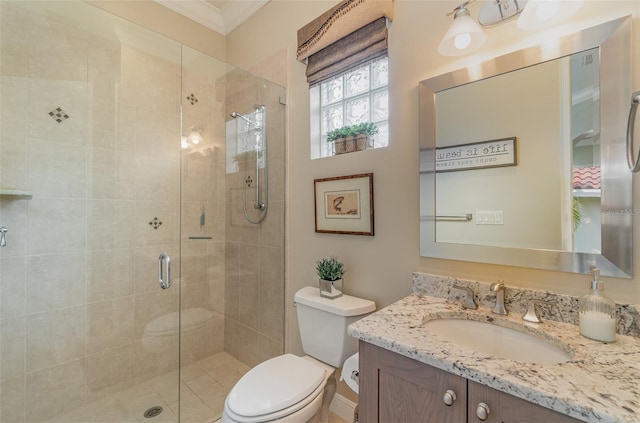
(153,412)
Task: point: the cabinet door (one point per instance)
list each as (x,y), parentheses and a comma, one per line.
(397,389)
(505,408)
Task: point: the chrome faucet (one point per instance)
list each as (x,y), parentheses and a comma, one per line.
(498,288)
(470,298)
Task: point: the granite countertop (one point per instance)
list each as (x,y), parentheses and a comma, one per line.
(600,384)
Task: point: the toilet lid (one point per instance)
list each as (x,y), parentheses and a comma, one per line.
(273,385)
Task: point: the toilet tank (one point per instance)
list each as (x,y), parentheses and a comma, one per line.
(323,324)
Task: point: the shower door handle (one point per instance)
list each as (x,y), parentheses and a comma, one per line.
(164,272)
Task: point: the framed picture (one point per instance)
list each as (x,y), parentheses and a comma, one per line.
(477,155)
(344,204)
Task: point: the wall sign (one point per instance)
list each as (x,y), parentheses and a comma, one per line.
(477,155)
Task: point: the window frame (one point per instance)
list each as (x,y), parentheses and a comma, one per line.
(318,143)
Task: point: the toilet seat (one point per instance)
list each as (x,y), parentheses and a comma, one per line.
(275,389)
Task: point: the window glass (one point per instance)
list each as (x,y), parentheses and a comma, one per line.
(359,95)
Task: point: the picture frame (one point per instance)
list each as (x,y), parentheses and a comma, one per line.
(501,152)
(344,204)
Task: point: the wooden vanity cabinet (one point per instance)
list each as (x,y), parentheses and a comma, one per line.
(397,389)
(505,408)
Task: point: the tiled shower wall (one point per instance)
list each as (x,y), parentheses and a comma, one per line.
(254,292)
(78,280)
(203,204)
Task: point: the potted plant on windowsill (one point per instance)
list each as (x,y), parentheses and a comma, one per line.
(363,132)
(352,137)
(338,137)
(330,271)
(246,158)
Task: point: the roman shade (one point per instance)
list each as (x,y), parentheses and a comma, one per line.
(351,33)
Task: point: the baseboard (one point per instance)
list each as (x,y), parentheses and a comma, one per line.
(343,407)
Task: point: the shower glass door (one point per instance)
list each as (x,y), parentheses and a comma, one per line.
(118,147)
(90,195)
(232,270)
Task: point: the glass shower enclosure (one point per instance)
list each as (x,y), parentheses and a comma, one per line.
(132,287)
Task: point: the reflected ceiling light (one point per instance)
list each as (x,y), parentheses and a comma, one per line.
(463,36)
(193,138)
(538,14)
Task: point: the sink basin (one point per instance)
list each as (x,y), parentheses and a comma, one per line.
(498,341)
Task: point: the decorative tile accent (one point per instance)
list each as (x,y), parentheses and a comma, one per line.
(248,181)
(155,223)
(59,115)
(192,99)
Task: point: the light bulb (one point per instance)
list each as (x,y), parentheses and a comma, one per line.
(195,137)
(538,14)
(547,10)
(464,35)
(462,41)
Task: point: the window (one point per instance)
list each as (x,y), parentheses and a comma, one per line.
(356,96)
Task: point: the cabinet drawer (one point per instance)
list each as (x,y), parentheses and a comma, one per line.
(505,408)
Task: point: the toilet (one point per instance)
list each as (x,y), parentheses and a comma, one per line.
(292,389)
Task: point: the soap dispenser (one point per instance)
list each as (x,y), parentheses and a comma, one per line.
(597,312)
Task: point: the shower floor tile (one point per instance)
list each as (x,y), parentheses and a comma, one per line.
(204,385)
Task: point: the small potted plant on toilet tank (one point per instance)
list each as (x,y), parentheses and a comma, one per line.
(330,271)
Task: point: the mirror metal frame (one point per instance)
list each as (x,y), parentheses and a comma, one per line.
(613,40)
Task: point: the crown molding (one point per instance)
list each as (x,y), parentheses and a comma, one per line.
(222,20)
(236,12)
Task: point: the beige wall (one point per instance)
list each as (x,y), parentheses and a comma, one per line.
(500,108)
(158,18)
(380,267)
(79,291)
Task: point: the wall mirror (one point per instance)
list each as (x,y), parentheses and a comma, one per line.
(523,160)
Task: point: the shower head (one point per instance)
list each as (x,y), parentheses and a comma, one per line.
(236,115)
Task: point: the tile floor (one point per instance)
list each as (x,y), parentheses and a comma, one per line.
(204,387)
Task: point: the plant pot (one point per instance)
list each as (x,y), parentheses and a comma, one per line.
(331,289)
(350,144)
(340,146)
(361,142)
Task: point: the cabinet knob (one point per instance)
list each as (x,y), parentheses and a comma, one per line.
(449,397)
(482,411)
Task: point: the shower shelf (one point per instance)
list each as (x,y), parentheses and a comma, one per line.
(200,237)
(17,193)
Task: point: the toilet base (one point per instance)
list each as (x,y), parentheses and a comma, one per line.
(329,393)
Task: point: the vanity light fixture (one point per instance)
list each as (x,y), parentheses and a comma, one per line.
(539,14)
(496,12)
(464,34)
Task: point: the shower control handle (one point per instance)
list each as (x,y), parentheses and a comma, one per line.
(164,272)
(3,241)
